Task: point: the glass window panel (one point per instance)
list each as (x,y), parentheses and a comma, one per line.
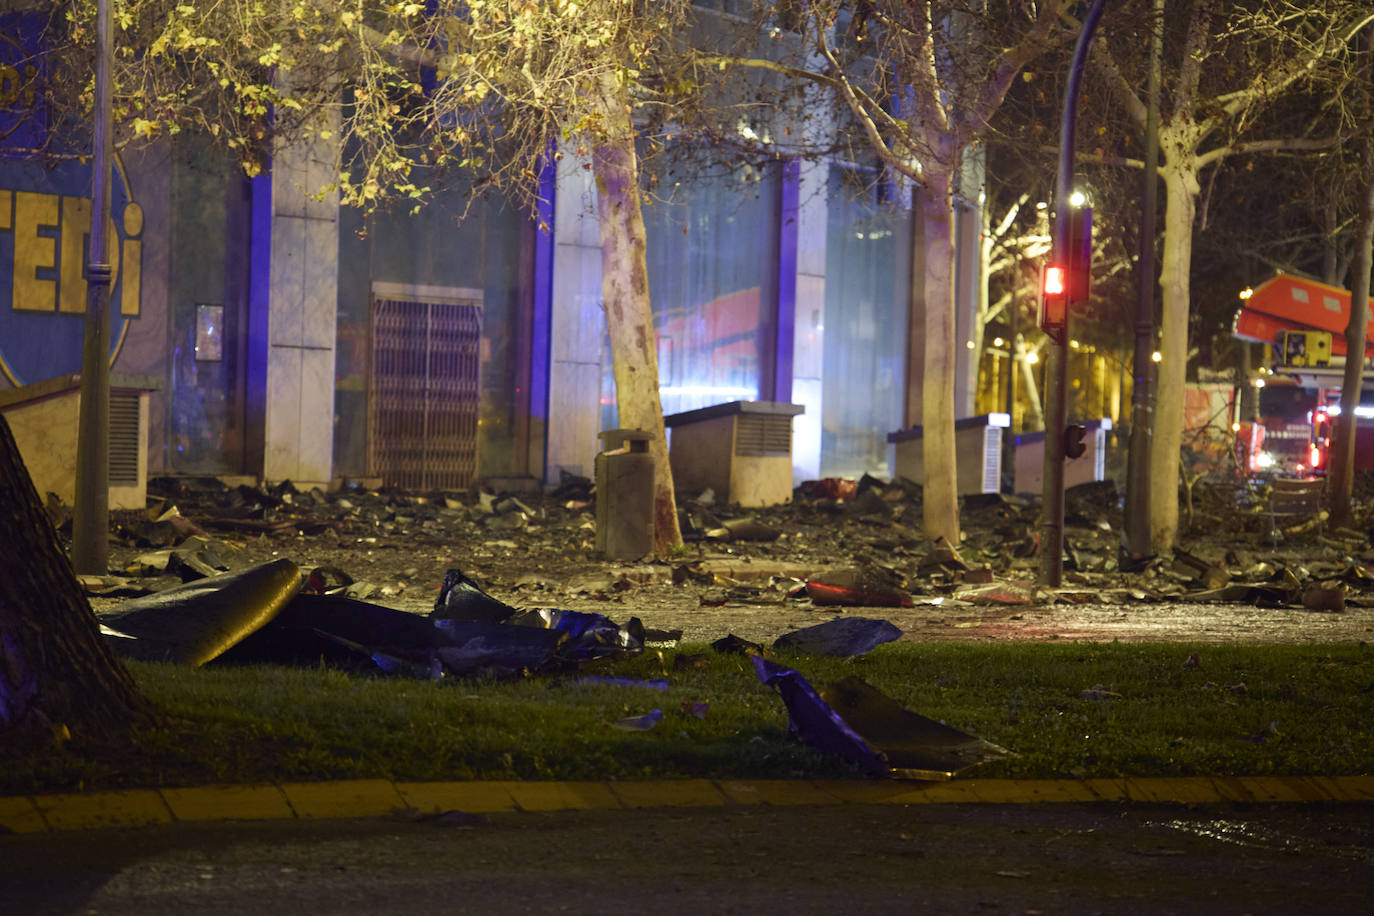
(712,242)
(867,284)
(444,244)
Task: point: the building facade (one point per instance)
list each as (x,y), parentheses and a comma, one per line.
(272,335)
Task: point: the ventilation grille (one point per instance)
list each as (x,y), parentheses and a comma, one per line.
(123,440)
(760,435)
(423,392)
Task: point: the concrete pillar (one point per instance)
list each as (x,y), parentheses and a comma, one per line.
(577,325)
(808,348)
(293,312)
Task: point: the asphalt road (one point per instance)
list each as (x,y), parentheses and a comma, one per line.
(837,859)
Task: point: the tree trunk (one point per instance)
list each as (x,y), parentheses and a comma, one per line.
(1343,440)
(1034,420)
(57,676)
(1181,192)
(625,295)
(940,493)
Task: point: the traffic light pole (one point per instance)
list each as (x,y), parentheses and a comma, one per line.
(1142,381)
(1052,531)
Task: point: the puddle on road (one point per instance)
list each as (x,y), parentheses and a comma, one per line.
(1258,836)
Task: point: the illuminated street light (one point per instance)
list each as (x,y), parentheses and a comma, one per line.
(1156,356)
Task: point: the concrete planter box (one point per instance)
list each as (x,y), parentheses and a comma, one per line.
(44,418)
(978,444)
(742,450)
(1087,468)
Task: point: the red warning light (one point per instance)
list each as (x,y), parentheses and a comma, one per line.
(1054,280)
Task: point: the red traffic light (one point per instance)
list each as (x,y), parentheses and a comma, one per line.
(1055,280)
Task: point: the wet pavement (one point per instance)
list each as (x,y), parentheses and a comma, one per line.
(952,859)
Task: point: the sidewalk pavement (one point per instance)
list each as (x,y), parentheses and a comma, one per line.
(385,798)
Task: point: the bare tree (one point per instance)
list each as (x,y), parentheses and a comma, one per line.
(1230,63)
(919,83)
(1360,113)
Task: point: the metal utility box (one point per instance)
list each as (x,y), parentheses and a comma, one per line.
(978,447)
(742,450)
(44,419)
(1090,467)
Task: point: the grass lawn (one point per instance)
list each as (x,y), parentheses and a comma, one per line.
(1252,710)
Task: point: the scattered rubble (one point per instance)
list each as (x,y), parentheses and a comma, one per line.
(852,544)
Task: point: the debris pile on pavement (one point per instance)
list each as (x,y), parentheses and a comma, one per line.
(858,542)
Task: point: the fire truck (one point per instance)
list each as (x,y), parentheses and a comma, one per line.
(1303,321)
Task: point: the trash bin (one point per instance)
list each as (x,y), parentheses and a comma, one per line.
(625,495)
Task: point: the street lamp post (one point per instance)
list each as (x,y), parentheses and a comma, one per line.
(91,512)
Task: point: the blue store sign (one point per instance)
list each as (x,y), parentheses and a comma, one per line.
(45,223)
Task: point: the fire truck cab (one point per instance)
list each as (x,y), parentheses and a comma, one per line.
(1303,321)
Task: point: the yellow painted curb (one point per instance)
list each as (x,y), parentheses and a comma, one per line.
(228,803)
(19,815)
(345,798)
(1106,790)
(1272,789)
(1035,791)
(886,792)
(561,796)
(1308,789)
(1353,788)
(472,797)
(380,797)
(1180,791)
(777,792)
(668,793)
(129,808)
(1231,789)
(959,792)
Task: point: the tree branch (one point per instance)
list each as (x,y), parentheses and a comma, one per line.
(1270,82)
(1008,64)
(1102,56)
(1194,50)
(1290,144)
